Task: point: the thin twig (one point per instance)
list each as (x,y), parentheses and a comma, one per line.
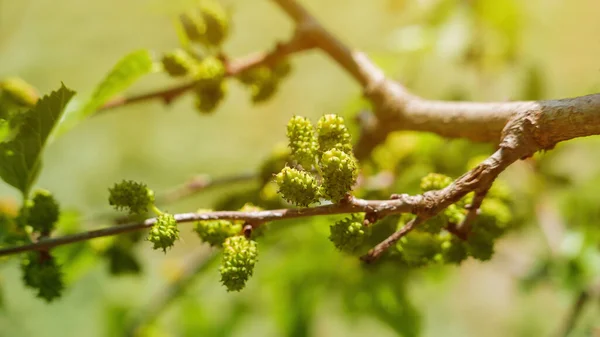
(384,245)
(576,310)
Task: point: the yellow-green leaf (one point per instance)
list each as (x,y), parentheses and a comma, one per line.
(20,156)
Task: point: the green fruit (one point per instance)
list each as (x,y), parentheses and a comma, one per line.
(239,257)
(297,187)
(164,232)
(348,234)
(340,171)
(132,196)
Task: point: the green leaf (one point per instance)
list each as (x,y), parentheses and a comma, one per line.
(128,70)
(20,157)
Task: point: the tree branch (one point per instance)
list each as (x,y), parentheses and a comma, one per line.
(395,108)
(423,206)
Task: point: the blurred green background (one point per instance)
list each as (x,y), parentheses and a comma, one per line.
(442,49)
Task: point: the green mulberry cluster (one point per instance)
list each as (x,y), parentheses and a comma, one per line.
(164,232)
(42,212)
(215,232)
(297,187)
(349,234)
(239,257)
(333,134)
(41,272)
(302,141)
(492,222)
(263,81)
(435,181)
(340,171)
(131,196)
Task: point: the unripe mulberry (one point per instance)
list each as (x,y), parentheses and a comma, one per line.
(41,272)
(333,134)
(43,212)
(239,257)
(178,63)
(216,22)
(340,171)
(297,187)
(302,141)
(348,234)
(132,196)
(164,232)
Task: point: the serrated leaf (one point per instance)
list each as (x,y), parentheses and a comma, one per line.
(20,157)
(128,70)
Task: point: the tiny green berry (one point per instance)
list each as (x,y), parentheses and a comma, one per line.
(216,22)
(348,234)
(132,196)
(178,63)
(297,187)
(164,232)
(193,25)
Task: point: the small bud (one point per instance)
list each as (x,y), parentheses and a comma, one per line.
(333,134)
(348,234)
(164,232)
(262,81)
(178,63)
(340,171)
(193,26)
(302,141)
(297,187)
(216,22)
(209,70)
(208,97)
(239,257)
(132,196)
